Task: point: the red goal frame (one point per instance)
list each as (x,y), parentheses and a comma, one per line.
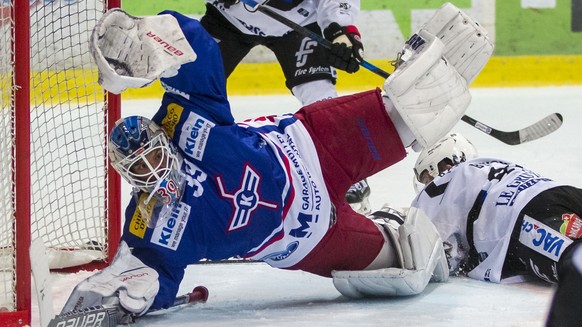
(20,45)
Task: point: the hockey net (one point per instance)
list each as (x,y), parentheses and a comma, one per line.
(55,182)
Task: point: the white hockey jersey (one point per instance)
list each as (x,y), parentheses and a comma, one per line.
(302,12)
(497,191)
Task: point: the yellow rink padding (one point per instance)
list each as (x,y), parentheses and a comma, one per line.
(521,71)
(266,78)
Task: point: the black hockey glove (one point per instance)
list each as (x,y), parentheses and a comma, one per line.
(228,3)
(347,49)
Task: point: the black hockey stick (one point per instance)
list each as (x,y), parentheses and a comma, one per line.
(532,132)
(542,128)
(108,316)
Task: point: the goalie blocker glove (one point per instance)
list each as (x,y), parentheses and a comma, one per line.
(347,49)
(126,284)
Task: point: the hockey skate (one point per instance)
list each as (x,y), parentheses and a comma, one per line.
(358,196)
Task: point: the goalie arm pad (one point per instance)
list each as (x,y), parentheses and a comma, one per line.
(429,95)
(126,282)
(423,260)
(132,52)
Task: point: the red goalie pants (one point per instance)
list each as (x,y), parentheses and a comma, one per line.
(355,139)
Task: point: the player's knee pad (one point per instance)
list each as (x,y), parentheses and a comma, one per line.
(132,52)
(427,92)
(467,46)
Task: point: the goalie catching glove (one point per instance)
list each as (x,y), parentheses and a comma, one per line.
(347,50)
(421,254)
(132,52)
(127,283)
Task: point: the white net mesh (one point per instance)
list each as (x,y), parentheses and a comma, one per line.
(67,131)
(68,138)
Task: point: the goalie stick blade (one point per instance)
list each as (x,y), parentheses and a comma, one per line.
(90,317)
(532,132)
(108,317)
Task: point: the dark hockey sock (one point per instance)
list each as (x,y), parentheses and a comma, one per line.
(566,309)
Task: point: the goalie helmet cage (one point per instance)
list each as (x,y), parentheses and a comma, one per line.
(56,182)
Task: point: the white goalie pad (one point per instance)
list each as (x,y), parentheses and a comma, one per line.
(467,45)
(423,257)
(132,52)
(428,93)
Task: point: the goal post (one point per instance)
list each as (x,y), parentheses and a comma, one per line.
(56,183)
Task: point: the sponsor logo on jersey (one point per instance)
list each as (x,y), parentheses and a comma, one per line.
(141,216)
(168,232)
(174,90)
(520,183)
(253,29)
(282,255)
(305,221)
(344,5)
(195,134)
(245,199)
(571,226)
(542,238)
(172,118)
(305,50)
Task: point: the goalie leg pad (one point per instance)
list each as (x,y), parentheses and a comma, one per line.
(422,247)
(467,45)
(427,92)
(423,260)
(132,52)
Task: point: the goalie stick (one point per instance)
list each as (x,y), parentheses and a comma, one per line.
(108,316)
(542,128)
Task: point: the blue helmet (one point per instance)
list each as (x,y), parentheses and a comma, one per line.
(141,152)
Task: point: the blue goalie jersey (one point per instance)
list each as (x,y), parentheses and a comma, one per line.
(252,189)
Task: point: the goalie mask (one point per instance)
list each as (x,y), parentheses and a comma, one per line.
(141,152)
(449,151)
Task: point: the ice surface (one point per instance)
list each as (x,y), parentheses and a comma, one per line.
(257,295)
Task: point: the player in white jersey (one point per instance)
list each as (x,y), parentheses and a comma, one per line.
(307,66)
(270,188)
(499,220)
